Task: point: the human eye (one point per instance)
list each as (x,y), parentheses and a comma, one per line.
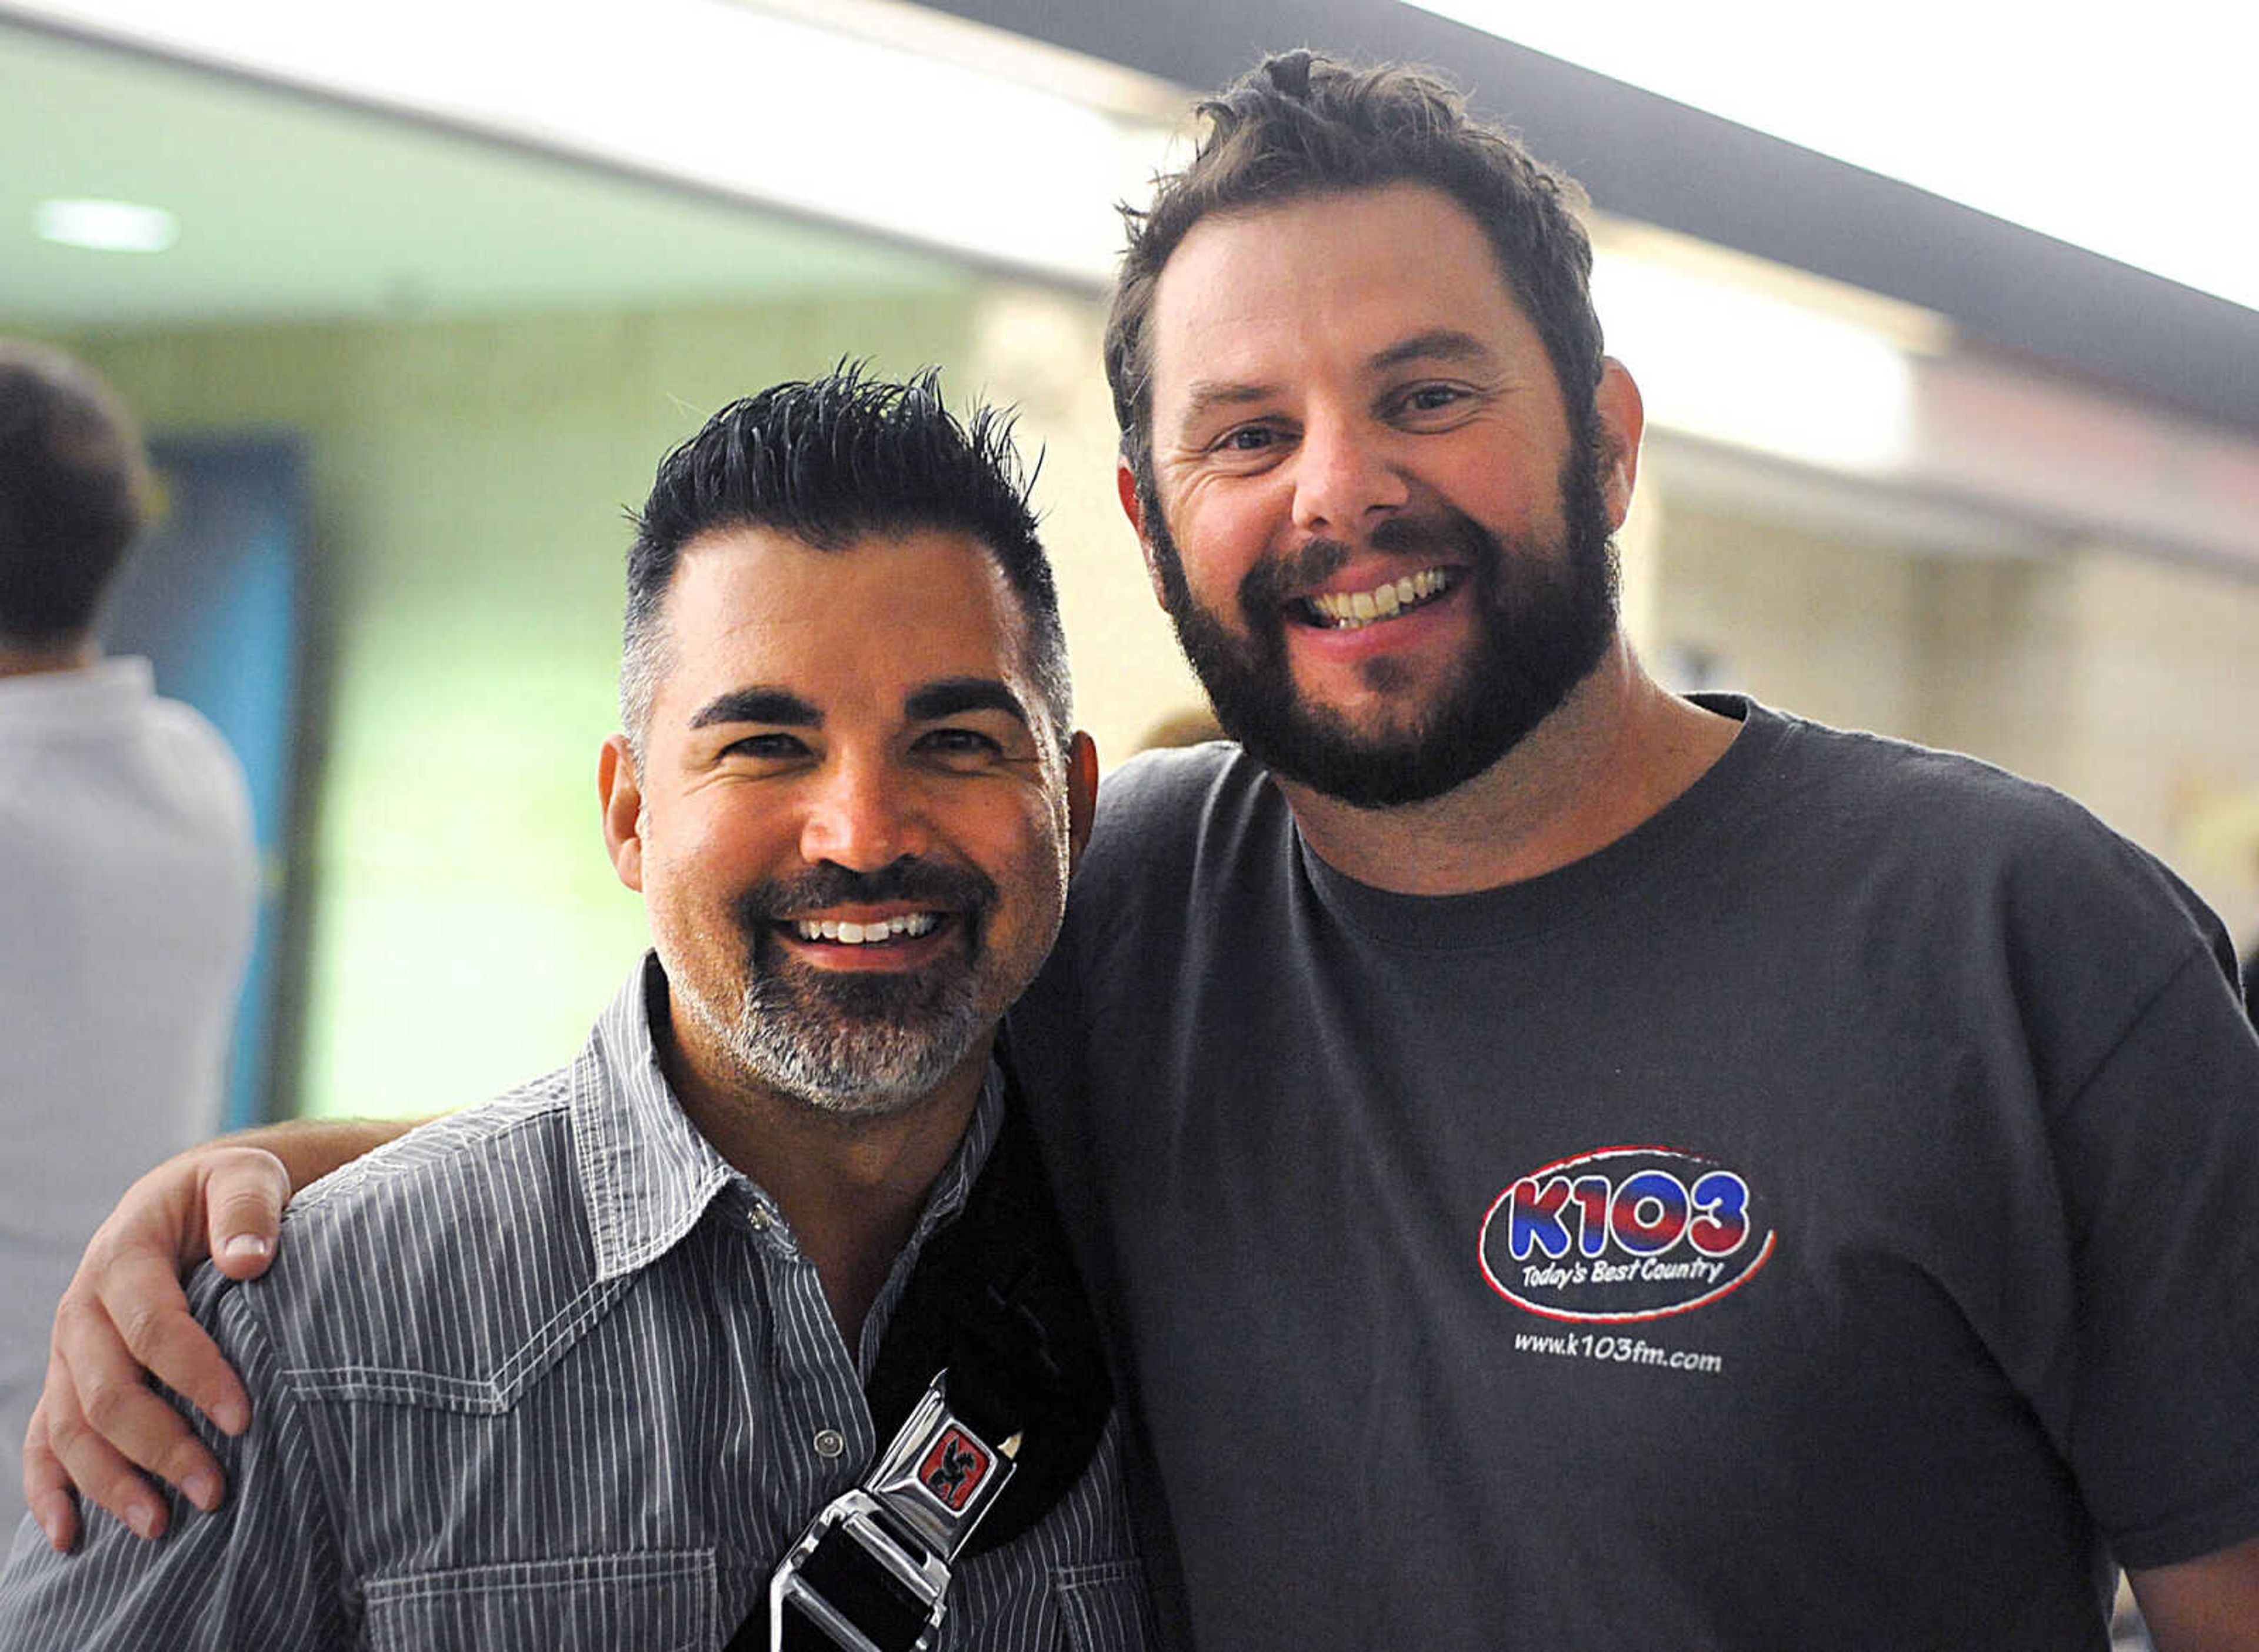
(771,746)
(1430,403)
(959,746)
(1250,446)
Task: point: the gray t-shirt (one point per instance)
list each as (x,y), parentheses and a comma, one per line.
(1822,1218)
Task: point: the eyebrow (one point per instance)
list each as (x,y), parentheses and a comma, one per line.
(780,706)
(1205,397)
(1437,343)
(952,696)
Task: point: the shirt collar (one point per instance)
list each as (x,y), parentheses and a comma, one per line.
(69,699)
(646,1172)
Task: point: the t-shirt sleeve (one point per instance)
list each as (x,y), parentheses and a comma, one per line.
(2159,1159)
(260,1572)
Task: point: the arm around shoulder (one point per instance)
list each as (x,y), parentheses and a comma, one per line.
(262,1570)
(124,1314)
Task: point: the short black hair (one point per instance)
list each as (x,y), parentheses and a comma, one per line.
(1304,125)
(73,481)
(829,461)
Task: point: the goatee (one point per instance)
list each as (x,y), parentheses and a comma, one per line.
(859,1044)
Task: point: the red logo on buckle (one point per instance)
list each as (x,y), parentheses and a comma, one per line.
(954,1469)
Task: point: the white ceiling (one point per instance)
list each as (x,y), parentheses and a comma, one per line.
(293,208)
(290,208)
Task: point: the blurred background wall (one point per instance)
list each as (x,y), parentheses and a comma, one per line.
(484,332)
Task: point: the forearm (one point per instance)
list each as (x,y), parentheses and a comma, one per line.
(2207,1604)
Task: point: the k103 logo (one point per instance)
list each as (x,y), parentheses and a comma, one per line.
(1625,1233)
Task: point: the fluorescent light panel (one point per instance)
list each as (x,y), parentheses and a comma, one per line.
(1726,362)
(105,226)
(2126,133)
(760,107)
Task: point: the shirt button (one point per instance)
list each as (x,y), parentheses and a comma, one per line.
(761,1218)
(829,1443)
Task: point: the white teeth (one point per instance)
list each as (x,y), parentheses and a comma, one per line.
(1348,610)
(912,925)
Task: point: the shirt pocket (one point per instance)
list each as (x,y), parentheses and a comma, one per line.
(660,1600)
(1104,1607)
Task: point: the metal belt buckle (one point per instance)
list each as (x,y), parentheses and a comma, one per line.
(871,1574)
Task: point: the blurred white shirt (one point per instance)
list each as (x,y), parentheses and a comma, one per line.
(128,892)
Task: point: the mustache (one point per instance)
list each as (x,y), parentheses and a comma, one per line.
(1450,534)
(925,883)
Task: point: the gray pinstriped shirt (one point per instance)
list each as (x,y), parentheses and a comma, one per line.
(545,1374)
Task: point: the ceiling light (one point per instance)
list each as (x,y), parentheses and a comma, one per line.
(718,96)
(105,226)
(1734,364)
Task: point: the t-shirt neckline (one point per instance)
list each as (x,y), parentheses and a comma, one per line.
(1516,911)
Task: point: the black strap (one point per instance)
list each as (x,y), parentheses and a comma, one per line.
(996,1298)
(886,1613)
(996,1301)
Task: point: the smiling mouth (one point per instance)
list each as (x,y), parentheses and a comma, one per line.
(1352,610)
(907,926)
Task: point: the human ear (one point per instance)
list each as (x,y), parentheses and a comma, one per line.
(1081,794)
(1125,485)
(1622,418)
(620,795)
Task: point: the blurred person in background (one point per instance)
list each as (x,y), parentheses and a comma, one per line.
(127,868)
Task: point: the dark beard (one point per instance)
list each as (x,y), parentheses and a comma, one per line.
(1545,614)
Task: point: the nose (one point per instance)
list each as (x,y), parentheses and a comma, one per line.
(862,816)
(1345,477)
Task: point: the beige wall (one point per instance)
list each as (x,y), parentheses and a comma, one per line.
(1802,621)
(1039,352)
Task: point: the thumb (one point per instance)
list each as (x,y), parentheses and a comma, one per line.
(244,1191)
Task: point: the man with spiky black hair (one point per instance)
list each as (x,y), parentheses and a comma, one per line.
(757,1310)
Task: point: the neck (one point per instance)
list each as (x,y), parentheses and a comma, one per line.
(852,1188)
(1610,757)
(27,659)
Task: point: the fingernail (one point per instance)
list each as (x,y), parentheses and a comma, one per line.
(143,1520)
(55,1536)
(244,1247)
(203,1490)
(230,1417)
